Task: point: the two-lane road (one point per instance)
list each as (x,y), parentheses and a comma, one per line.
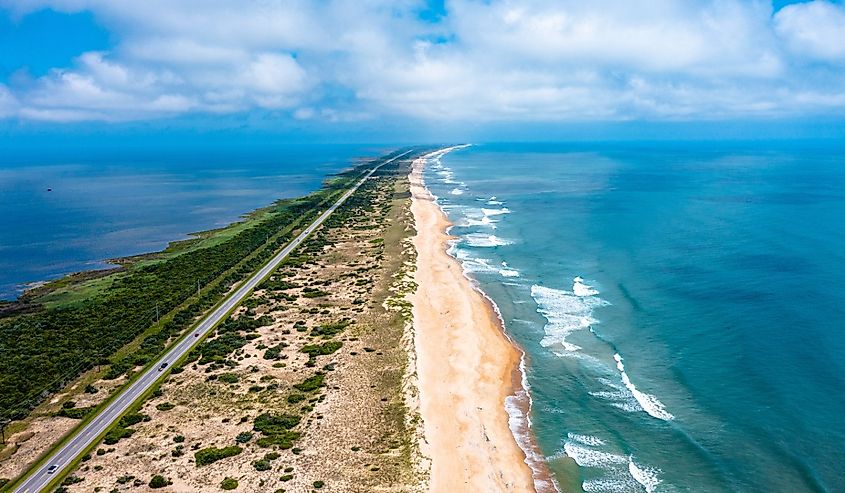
(83,438)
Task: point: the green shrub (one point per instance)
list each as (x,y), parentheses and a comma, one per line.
(228,378)
(116,434)
(268,423)
(75,412)
(159,481)
(319,484)
(133,419)
(229,484)
(274,352)
(313,293)
(314,350)
(72,480)
(165,406)
(276,430)
(262,465)
(294,398)
(213,454)
(178,439)
(311,384)
(330,329)
(243,437)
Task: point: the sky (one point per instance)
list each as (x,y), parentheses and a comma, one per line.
(388,70)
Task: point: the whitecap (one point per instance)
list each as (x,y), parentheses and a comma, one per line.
(484,240)
(495,212)
(469,263)
(605,485)
(649,403)
(587,457)
(457,191)
(646,476)
(620,397)
(582,289)
(565,313)
(509,273)
(585,439)
(476,217)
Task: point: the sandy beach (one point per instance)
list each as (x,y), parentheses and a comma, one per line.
(466,367)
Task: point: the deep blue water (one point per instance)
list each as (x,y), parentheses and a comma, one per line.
(107,204)
(682,306)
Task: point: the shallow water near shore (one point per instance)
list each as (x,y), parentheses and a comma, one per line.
(680,306)
(104,204)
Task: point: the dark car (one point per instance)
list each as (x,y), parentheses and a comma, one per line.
(163,366)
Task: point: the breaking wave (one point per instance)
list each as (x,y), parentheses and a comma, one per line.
(649,403)
(565,311)
(482,240)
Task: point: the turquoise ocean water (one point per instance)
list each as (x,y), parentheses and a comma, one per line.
(681,306)
(104,204)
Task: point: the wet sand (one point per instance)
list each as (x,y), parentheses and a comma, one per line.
(466,366)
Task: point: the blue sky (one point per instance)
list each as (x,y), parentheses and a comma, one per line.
(384,70)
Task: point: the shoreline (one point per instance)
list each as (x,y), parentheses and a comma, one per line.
(481,436)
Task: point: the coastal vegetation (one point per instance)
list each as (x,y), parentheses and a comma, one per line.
(69,327)
(210,455)
(287,377)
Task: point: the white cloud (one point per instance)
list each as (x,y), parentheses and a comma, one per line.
(274,74)
(8,103)
(815,30)
(491,60)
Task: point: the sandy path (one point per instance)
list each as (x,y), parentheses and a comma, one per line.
(466,367)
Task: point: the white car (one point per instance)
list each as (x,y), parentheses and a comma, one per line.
(53,468)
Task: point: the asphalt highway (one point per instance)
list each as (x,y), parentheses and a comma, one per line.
(65,455)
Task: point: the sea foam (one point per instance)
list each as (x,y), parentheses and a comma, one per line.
(617,472)
(566,311)
(649,403)
(646,476)
(476,217)
(507,271)
(495,212)
(482,240)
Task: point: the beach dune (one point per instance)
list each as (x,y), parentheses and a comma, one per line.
(466,367)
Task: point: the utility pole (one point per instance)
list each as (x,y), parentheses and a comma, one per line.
(157,313)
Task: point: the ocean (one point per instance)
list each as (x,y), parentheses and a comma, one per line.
(104,204)
(681,306)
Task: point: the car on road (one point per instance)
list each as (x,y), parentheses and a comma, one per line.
(163,366)
(196,334)
(53,468)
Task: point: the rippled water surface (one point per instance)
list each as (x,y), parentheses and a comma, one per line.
(681,305)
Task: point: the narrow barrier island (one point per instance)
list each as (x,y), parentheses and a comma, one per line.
(301,386)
